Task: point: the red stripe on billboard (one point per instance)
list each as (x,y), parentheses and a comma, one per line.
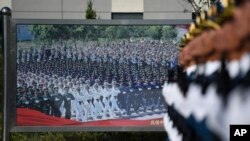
(28,117)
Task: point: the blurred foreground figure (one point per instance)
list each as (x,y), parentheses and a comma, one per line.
(211,90)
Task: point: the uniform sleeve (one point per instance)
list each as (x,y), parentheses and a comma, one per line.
(72,97)
(81,98)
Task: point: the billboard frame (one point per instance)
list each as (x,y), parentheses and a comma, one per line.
(11,78)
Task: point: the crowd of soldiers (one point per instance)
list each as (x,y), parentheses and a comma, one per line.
(96,81)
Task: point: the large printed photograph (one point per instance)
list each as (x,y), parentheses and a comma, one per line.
(94,75)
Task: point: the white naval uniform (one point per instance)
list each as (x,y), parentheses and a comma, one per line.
(74,56)
(114,94)
(73,102)
(18,56)
(62,109)
(97,102)
(56,54)
(23,57)
(79,56)
(88,105)
(39,57)
(62,54)
(69,55)
(80,107)
(106,100)
(61,91)
(28,57)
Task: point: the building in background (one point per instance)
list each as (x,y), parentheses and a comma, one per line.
(5,3)
(106,9)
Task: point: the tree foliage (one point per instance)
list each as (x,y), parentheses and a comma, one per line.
(155,32)
(49,34)
(169,33)
(90,12)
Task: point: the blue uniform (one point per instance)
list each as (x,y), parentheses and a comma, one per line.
(138,97)
(151,96)
(57,100)
(129,98)
(46,104)
(67,97)
(122,97)
(36,102)
(146,96)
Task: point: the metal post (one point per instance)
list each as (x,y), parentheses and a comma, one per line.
(6,18)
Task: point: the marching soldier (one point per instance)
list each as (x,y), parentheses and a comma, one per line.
(157,95)
(88,104)
(19,97)
(69,54)
(51,88)
(114,93)
(79,56)
(63,54)
(60,89)
(80,105)
(97,101)
(36,101)
(122,95)
(106,100)
(147,95)
(67,97)
(72,91)
(152,94)
(56,102)
(138,96)
(23,56)
(23,99)
(46,103)
(129,97)
(56,54)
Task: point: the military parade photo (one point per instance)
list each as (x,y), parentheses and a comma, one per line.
(78,74)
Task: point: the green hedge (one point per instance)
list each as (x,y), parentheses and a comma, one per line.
(90,136)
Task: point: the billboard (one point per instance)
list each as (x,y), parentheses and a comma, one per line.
(93,76)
